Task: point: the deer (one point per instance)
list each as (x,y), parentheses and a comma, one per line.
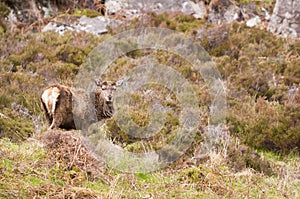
(63,105)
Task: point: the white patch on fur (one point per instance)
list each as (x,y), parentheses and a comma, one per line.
(49,98)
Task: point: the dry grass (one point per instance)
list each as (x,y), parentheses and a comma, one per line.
(260,108)
(61,168)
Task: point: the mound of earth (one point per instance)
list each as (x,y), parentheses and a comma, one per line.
(67,148)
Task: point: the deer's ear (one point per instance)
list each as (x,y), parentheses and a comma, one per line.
(98,82)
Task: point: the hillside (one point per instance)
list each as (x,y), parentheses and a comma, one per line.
(251,150)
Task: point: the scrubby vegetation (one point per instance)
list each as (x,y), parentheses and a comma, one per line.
(261,74)
(263,88)
(29,63)
(27,171)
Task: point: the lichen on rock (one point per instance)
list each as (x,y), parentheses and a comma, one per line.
(285,20)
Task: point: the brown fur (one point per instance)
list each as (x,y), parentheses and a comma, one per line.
(103,109)
(63,105)
(59,112)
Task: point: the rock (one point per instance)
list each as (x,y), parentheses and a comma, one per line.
(97,25)
(37,12)
(135,8)
(47,11)
(266,14)
(57,27)
(201,11)
(231,14)
(253,21)
(249,10)
(28,12)
(198,10)
(3,116)
(113,7)
(223,12)
(11,21)
(293,90)
(285,20)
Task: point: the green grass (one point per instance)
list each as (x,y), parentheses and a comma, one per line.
(86,12)
(260,114)
(26,173)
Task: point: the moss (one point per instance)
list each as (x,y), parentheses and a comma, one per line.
(266,4)
(268,126)
(138,147)
(19,102)
(86,12)
(53,48)
(140,117)
(14,126)
(32,61)
(72,54)
(189,26)
(194,174)
(176,21)
(4,11)
(247,60)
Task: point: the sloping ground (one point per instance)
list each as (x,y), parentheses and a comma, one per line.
(27,170)
(260,71)
(67,149)
(56,168)
(261,74)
